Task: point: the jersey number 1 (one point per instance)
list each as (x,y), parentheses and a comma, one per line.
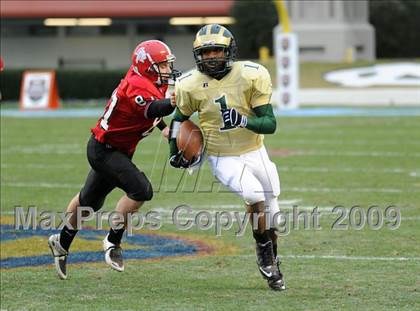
(107,114)
(223,106)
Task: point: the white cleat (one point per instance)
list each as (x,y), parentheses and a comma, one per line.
(113,255)
(59,254)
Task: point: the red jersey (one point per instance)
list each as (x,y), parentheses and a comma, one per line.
(124,123)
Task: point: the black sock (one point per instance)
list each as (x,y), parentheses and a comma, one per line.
(261,238)
(115,235)
(66,237)
(275,250)
(273,237)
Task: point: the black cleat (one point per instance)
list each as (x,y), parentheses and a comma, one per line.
(269,266)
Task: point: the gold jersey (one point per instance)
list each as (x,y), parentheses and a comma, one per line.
(246,86)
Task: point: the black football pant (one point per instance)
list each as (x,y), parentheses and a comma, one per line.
(111,168)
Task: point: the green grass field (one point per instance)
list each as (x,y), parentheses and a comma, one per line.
(322,161)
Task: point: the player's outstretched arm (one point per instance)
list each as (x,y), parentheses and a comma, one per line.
(264,121)
(159,108)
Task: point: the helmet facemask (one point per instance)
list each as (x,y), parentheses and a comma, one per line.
(165,78)
(214,67)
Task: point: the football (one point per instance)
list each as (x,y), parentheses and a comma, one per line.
(190,140)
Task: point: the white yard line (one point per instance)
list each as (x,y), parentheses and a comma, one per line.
(342,257)
(356,154)
(363,190)
(287,189)
(55,149)
(280,168)
(345,142)
(342,169)
(38,166)
(40,185)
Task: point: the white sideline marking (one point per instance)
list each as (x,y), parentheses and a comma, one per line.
(343,257)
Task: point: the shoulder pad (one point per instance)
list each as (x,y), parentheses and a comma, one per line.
(188,79)
(253,70)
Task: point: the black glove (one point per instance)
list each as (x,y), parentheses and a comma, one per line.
(232,118)
(178,160)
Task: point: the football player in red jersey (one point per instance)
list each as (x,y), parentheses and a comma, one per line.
(136,106)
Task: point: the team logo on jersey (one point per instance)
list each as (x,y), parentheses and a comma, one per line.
(140,100)
(141,55)
(205,84)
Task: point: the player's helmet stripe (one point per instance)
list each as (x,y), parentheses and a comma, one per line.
(215,29)
(227,34)
(202,31)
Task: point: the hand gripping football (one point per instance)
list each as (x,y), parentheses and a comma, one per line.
(190,140)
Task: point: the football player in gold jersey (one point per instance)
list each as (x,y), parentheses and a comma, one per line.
(232,99)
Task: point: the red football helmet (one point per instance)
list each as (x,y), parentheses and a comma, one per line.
(146,58)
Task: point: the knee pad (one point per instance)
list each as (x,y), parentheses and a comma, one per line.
(252,196)
(144,191)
